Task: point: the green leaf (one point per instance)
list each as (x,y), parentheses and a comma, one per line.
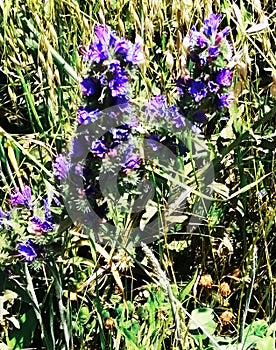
(203,319)
(21,338)
(266,343)
(187,289)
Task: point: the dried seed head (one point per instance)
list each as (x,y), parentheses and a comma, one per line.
(224,289)
(226,317)
(206,281)
(236,273)
(161,315)
(109,323)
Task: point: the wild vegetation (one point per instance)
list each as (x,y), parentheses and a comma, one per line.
(137,144)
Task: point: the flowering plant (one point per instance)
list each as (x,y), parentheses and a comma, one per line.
(118,140)
(30,225)
(204,90)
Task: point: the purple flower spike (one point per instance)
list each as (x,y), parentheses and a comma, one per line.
(211,24)
(121,46)
(213,51)
(85,116)
(222,34)
(2,216)
(131,159)
(201,41)
(157,106)
(118,85)
(197,89)
(223,101)
(199,116)
(135,54)
(213,87)
(99,148)
(22,198)
(97,52)
(177,117)
(105,35)
(197,38)
(224,77)
(27,250)
(60,167)
(89,86)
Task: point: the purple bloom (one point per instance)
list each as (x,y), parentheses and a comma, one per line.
(99,148)
(48,214)
(121,134)
(60,167)
(224,77)
(203,59)
(154,142)
(27,250)
(222,34)
(211,24)
(131,159)
(89,86)
(97,52)
(177,117)
(213,51)
(46,224)
(2,216)
(197,38)
(201,40)
(105,35)
(223,100)
(85,116)
(199,116)
(80,145)
(157,106)
(213,87)
(21,198)
(135,54)
(197,89)
(122,46)
(120,100)
(118,85)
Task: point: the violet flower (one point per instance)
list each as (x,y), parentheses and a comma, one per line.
(99,149)
(135,54)
(211,24)
(86,116)
(90,86)
(131,159)
(224,77)
(118,85)
(213,87)
(21,198)
(60,167)
(223,100)
(27,250)
(213,51)
(197,89)
(46,224)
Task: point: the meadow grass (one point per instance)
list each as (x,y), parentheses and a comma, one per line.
(90,296)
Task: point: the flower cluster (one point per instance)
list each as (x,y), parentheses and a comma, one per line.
(27,250)
(23,206)
(110,59)
(47,223)
(204,91)
(23,197)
